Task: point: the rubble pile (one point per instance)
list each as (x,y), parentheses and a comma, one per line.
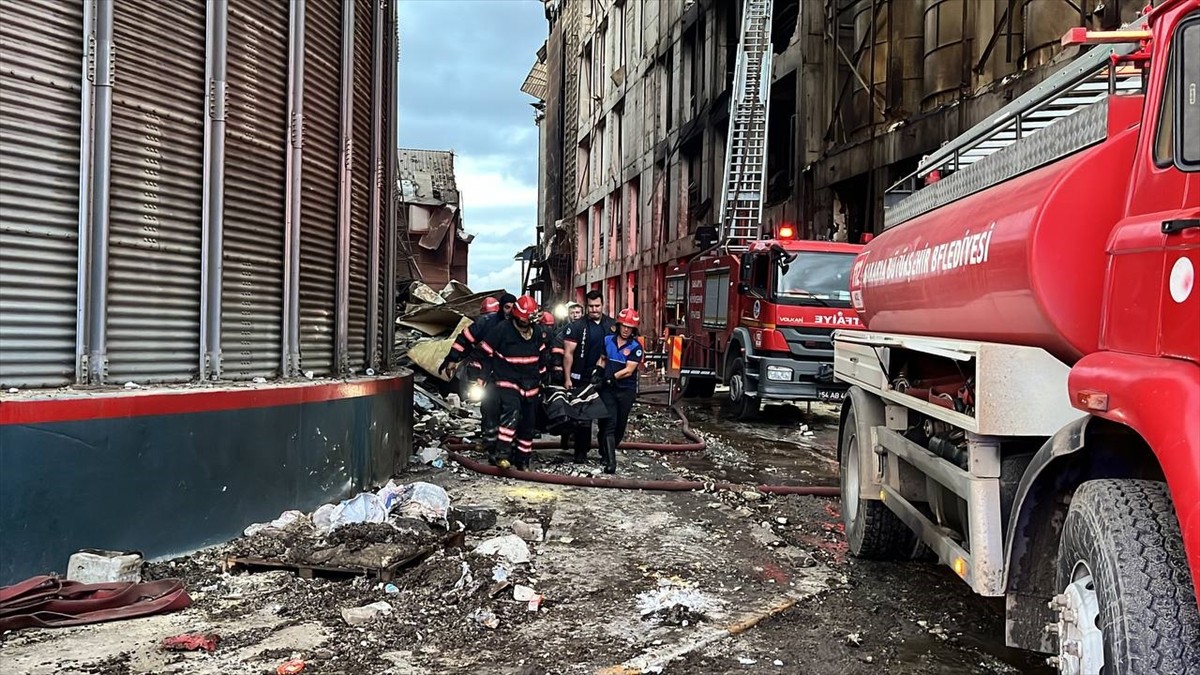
(428,323)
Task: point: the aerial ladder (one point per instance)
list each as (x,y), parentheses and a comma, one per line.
(746,147)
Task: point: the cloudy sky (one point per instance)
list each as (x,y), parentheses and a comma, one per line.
(462,63)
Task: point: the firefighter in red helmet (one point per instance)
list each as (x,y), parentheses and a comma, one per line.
(623,354)
(518,353)
(476,376)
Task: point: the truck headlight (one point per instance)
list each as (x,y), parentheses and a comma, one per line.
(779,374)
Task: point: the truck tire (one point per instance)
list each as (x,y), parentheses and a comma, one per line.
(697,387)
(872,530)
(1123,572)
(741,406)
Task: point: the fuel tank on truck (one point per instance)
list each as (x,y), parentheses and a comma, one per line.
(1021,262)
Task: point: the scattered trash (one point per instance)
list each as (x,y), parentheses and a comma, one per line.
(777,662)
(535,603)
(674,604)
(190,642)
(431,454)
(510,546)
(290,667)
(523,593)
(854,640)
(752,496)
(14,390)
(781,520)
(132,385)
(391,589)
(285,519)
(370,372)
(322,518)
(528,532)
(356,616)
(424,500)
(259,380)
(94,566)
(500,573)
(453,400)
(746,662)
(473,517)
(309,374)
(361,508)
(486,618)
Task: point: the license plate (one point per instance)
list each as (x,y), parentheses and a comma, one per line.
(831,394)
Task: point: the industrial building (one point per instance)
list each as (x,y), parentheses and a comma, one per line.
(634,115)
(434,246)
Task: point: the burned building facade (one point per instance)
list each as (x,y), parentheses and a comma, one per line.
(433,243)
(636,115)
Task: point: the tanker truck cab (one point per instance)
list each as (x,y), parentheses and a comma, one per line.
(1024,401)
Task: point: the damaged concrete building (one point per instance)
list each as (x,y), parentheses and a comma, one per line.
(636,113)
(433,241)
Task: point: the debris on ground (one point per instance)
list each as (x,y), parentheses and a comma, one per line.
(510,547)
(676,604)
(94,566)
(190,642)
(356,616)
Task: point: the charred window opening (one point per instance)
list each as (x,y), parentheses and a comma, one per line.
(781,140)
(784,19)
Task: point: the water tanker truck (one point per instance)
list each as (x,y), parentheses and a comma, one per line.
(1024,402)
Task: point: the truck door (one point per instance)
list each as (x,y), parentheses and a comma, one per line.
(1152,306)
(756,273)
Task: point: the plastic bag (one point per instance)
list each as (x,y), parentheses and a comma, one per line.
(424,500)
(362,508)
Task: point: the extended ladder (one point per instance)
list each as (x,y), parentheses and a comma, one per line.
(1009,142)
(746,147)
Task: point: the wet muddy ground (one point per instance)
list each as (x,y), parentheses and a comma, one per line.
(630,581)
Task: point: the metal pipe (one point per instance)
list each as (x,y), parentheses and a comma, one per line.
(212,257)
(101,175)
(345,166)
(295,150)
(85,192)
(377,192)
(389,156)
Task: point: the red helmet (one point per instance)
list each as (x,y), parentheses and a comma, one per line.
(524,308)
(489,306)
(628,317)
(547,319)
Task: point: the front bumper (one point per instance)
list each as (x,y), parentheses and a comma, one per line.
(807,380)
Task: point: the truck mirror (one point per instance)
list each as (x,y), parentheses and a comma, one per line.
(1187,98)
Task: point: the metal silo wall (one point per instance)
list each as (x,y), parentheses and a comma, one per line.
(255,189)
(319,188)
(360,186)
(157,182)
(40,75)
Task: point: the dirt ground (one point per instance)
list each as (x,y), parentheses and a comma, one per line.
(630,581)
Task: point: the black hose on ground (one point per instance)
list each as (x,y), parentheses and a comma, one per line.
(456,446)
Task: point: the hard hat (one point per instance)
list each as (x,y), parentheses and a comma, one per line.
(628,317)
(490,306)
(524,308)
(547,319)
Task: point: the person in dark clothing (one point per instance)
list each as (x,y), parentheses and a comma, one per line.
(506,304)
(583,346)
(518,355)
(622,355)
(468,347)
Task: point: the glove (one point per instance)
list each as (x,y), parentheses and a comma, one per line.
(610,382)
(597,377)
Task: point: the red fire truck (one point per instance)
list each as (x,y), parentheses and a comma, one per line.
(762,321)
(1025,398)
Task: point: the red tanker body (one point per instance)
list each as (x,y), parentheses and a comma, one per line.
(1025,399)
(1017,263)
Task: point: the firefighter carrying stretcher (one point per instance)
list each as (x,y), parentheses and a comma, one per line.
(618,371)
(518,364)
(477,373)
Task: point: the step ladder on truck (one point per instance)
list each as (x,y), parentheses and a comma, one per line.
(1024,404)
(756,309)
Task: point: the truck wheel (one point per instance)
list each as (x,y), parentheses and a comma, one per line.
(872,530)
(697,387)
(742,406)
(1126,603)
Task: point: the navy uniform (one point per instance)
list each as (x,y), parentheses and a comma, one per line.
(587,337)
(620,386)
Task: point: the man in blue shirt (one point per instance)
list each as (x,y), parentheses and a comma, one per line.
(622,355)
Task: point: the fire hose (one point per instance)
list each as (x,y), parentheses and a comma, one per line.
(456,447)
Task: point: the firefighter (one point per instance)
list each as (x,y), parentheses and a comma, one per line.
(574,312)
(623,354)
(469,346)
(583,345)
(518,356)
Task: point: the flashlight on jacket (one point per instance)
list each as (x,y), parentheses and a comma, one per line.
(475,392)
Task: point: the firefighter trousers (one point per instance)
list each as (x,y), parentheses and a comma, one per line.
(619,403)
(518,416)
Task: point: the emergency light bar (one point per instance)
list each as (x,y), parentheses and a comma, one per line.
(786,232)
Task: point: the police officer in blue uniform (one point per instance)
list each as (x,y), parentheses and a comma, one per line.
(623,354)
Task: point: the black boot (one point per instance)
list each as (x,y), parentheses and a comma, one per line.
(608,452)
(521,460)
